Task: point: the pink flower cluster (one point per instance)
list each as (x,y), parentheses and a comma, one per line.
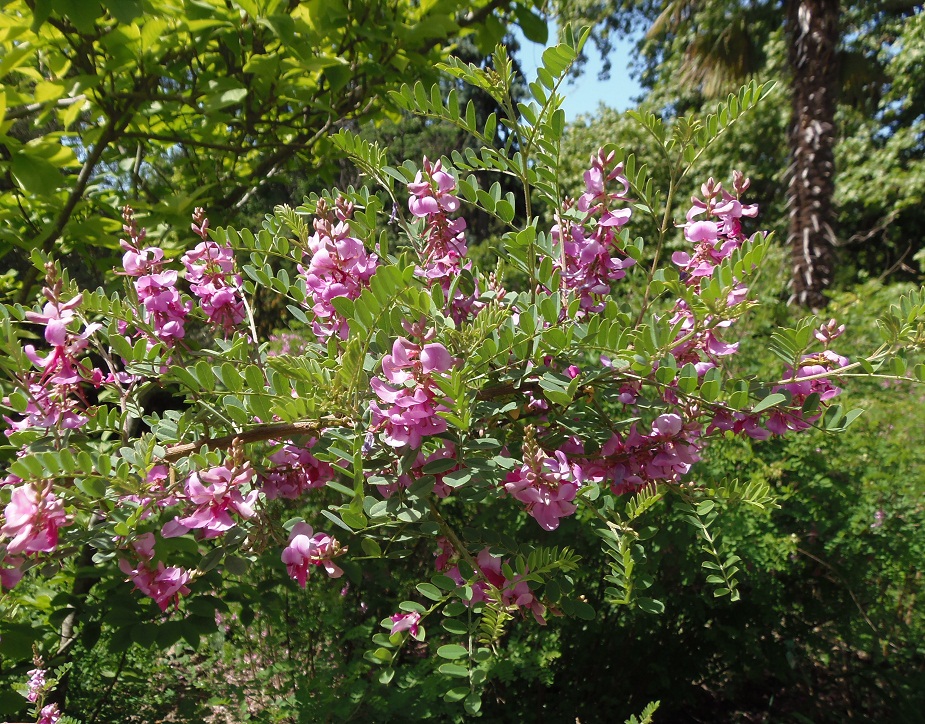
(432,192)
(162,583)
(665,454)
(32,519)
(781,420)
(494,587)
(547,485)
(717,235)
(715,238)
(49,714)
(339,267)
(296,470)
(157,289)
(433,199)
(307,548)
(828,332)
(216,494)
(36,685)
(210,273)
(497,588)
(812,365)
(55,397)
(413,398)
(585,250)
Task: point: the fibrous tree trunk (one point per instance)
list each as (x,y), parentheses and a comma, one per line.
(813,34)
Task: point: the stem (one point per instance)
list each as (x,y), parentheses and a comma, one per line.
(454,539)
(264,432)
(663,230)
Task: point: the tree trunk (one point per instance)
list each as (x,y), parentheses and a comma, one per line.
(813,35)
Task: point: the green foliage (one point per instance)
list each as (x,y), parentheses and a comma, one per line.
(712,535)
(171,106)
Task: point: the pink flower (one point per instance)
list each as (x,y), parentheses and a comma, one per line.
(138,262)
(510,592)
(163,584)
(441,260)
(406,622)
(444,554)
(162,307)
(307,548)
(339,267)
(36,685)
(49,714)
(667,453)
(9,577)
(714,238)
(431,191)
(210,272)
(829,331)
(412,409)
(586,258)
(546,485)
(216,495)
(815,366)
(32,521)
(296,470)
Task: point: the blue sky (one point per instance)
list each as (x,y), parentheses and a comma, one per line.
(583,96)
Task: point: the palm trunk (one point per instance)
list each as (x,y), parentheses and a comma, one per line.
(813,34)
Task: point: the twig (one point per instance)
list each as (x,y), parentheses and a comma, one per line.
(265,432)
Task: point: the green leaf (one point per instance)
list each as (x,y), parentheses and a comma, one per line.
(457,694)
(473,703)
(771,400)
(533,26)
(35,175)
(430,591)
(452,651)
(650,605)
(454,670)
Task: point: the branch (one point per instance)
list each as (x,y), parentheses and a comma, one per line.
(265,432)
(13,114)
(110,132)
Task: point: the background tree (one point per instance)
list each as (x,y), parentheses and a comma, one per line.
(694,51)
(172,106)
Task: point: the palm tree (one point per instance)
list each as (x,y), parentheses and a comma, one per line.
(813,36)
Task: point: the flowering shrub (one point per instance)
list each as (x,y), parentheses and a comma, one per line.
(434,408)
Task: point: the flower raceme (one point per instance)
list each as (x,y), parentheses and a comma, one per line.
(717,235)
(161,305)
(494,586)
(307,548)
(211,276)
(32,519)
(585,249)
(295,470)
(432,199)
(339,267)
(37,684)
(546,485)
(164,584)
(209,272)
(413,398)
(216,494)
